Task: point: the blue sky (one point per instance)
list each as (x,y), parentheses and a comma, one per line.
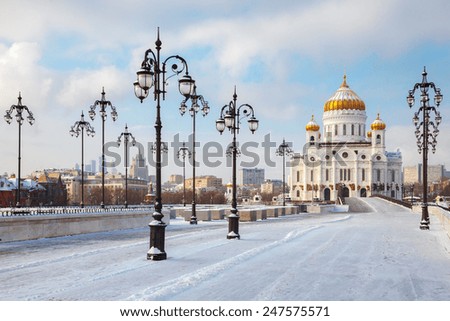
(286,58)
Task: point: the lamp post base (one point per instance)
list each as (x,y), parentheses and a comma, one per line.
(157,239)
(233,227)
(424,226)
(425,222)
(193,220)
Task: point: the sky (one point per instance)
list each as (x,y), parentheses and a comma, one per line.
(285,59)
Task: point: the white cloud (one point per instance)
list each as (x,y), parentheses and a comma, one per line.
(332,31)
(86,85)
(403,138)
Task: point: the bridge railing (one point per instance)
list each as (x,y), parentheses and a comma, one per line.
(394,200)
(64,210)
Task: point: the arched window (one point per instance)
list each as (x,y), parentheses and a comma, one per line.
(335,130)
(353,129)
(344,129)
(378,141)
(298,176)
(298,193)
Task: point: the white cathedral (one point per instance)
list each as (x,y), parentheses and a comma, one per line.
(345,161)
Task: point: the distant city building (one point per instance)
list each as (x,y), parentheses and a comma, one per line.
(251,176)
(93,167)
(413,174)
(139,168)
(87,168)
(7,192)
(55,190)
(272,186)
(31,192)
(205,182)
(114,184)
(176,179)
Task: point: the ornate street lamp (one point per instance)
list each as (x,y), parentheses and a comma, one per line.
(126,138)
(182,153)
(193,111)
(284,150)
(19,108)
(81,126)
(230,118)
(426,133)
(153,75)
(103,104)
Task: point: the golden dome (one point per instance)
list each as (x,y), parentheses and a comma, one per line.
(344,98)
(378,124)
(369,134)
(312,125)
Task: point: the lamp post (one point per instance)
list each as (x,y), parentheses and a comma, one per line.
(81,126)
(182,153)
(193,111)
(150,74)
(103,104)
(19,108)
(426,133)
(284,150)
(126,138)
(230,118)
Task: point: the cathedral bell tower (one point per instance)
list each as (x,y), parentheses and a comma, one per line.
(312,132)
(378,128)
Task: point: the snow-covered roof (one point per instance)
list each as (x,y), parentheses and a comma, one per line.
(6,185)
(27,183)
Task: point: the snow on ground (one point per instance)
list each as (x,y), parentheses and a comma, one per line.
(380,255)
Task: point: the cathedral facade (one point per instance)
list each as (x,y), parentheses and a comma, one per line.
(348,159)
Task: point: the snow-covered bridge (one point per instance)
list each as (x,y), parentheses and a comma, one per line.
(378,253)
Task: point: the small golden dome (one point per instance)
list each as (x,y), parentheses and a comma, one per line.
(369,134)
(344,98)
(312,125)
(378,124)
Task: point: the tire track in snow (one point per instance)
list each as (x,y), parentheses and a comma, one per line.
(65,256)
(180,284)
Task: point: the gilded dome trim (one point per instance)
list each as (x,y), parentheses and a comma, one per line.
(344,98)
(378,124)
(312,125)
